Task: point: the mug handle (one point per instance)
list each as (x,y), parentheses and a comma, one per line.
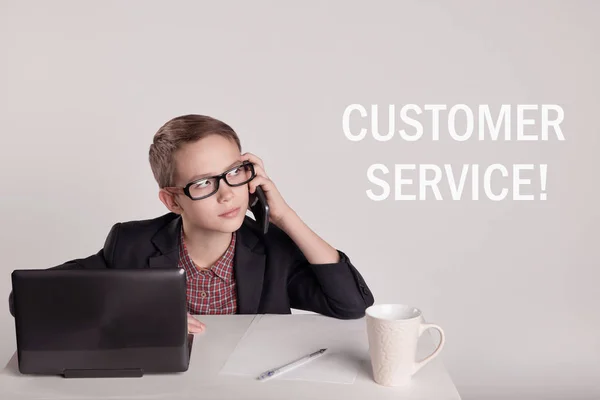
(422,328)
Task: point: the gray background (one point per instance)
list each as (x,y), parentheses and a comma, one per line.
(84,86)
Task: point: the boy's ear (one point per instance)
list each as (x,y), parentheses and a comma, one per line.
(170,201)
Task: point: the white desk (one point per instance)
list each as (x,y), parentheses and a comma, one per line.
(203,381)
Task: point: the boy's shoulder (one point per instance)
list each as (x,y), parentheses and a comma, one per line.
(149,223)
(141,232)
(149,226)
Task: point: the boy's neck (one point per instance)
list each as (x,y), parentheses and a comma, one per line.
(205,247)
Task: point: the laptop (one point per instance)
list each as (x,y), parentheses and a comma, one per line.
(101,322)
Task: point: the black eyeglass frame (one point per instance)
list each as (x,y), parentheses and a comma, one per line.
(186,188)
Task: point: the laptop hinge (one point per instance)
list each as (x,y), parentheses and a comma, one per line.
(103,373)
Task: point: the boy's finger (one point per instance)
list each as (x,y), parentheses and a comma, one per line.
(197,324)
(252,158)
(259,180)
(195,329)
(260,171)
(193,321)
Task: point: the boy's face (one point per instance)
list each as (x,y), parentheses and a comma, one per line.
(210,156)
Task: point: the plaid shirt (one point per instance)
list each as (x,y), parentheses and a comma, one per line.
(212,290)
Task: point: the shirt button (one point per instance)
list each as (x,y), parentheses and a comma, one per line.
(203,294)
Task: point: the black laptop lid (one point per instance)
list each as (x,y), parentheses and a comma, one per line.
(84,318)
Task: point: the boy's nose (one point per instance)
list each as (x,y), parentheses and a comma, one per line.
(225,192)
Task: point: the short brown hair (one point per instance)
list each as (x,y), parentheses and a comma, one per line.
(177,132)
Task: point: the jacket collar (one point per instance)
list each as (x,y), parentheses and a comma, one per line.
(248,263)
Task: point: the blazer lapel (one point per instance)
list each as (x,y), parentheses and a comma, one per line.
(166,241)
(249,269)
(164,261)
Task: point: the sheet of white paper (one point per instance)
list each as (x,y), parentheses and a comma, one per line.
(274,340)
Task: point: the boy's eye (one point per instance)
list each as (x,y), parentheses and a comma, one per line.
(202,184)
(235,171)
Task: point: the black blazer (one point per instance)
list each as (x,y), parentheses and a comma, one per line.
(272,275)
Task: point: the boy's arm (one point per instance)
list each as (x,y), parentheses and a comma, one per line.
(322,278)
(315,249)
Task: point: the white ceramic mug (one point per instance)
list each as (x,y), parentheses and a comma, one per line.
(393,331)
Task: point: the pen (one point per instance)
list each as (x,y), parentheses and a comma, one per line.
(287,367)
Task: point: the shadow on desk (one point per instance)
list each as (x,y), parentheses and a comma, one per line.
(12,367)
(363,364)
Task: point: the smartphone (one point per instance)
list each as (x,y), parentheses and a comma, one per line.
(260,209)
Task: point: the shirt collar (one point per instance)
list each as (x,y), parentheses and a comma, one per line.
(223,267)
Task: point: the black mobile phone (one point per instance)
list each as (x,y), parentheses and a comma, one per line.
(260,209)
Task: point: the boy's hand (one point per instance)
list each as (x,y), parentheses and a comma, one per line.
(278,208)
(194,326)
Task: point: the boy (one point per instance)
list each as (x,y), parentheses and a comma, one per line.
(205,181)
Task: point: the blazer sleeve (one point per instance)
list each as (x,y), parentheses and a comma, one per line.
(337,290)
(102,259)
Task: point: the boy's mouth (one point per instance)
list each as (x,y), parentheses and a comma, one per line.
(230,213)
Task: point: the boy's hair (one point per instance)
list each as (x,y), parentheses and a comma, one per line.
(177,132)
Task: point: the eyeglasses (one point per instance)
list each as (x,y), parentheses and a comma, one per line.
(206,187)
